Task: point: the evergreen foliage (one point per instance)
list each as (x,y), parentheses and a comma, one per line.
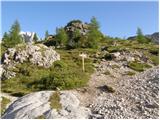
(140,37)
(61,36)
(46,34)
(35,38)
(13,38)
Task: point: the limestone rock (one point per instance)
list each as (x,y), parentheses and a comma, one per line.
(36,54)
(36,104)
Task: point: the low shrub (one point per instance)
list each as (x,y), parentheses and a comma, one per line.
(154,59)
(154,51)
(113,49)
(137,66)
(130,73)
(55,101)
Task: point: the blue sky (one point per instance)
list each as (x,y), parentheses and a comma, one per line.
(117,19)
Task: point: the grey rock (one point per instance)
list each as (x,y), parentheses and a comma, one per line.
(36,104)
(40,55)
(137,98)
(154,37)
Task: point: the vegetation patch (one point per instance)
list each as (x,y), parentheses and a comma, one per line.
(5,101)
(113,49)
(130,73)
(65,74)
(40,117)
(55,101)
(107,72)
(137,66)
(155,59)
(115,66)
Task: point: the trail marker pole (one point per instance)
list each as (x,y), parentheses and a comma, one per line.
(83,56)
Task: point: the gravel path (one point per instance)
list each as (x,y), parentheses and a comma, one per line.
(135,97)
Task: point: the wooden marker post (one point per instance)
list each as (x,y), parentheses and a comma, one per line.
(83,56)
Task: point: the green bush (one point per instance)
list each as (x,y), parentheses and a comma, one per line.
(55,101)
(155,59)
(154,51)
(138,66)
(113,49)
(130,73)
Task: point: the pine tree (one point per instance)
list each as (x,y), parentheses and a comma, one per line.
(94,23)
(35,38)
(46,34)
(13,38)
(61,36)
(94,35)
(140,37)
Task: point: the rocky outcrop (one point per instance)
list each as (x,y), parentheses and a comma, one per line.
(39,55)
(77,25)
(38,104)
(75,29)
(27,36)
(153,37)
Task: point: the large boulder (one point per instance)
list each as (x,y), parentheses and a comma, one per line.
(38,104)
(39,55)
(77,25)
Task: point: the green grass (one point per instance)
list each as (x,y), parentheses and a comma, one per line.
(55,101)
(65,74)
(113,49)
(4,103)
(154,59)
(130,73)
(138,66)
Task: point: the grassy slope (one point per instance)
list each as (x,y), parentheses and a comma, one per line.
(67,73)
